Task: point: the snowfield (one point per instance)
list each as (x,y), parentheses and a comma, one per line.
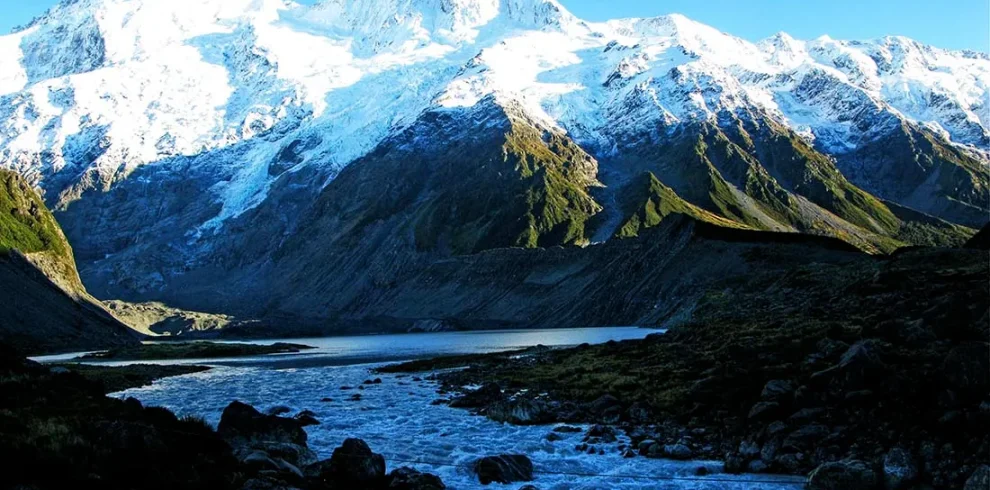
(97,88)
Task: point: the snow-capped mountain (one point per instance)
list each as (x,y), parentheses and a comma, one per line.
(182,138)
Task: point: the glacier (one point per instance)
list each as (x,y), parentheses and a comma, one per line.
(95,89)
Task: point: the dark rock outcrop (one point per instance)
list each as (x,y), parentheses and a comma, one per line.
(488,393)
(859,388)
(843,475)
(411,479)
(520,411)
(899,470)
(506,468)
(354,464)
(981,240)
(242,421)
(253,434)
(980,479)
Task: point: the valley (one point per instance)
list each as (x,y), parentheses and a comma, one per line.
(429,244)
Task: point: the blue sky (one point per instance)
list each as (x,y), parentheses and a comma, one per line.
(954,24)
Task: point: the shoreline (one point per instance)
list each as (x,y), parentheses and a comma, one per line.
(876,372)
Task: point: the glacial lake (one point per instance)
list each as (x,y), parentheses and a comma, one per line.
(397,417)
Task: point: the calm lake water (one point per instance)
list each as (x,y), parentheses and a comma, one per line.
(330,351)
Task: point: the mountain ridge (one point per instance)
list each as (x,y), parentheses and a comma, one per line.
(203,154)
(45,307)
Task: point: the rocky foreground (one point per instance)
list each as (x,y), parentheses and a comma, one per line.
(59,430)
(863,377)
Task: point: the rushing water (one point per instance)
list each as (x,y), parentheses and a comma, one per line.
(397,418)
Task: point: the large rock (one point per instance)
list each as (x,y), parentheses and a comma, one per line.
(764,410)
(522,411)
(980,479)
(606,408)
(677,451)
(843,475)
(488,393)
(248,430)
(506,468)
(353,465)
(409,479)
(242,423)
(967,368)
(306,418)
(861,363)
(899,470)
(806,437)
(777,389)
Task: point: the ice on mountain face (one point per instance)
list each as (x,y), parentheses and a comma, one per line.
(118,84)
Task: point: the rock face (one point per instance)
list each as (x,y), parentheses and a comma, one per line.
(43,305)
(506,468)
(160,319)
(843,475)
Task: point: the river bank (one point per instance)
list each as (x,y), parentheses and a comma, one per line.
(886,366)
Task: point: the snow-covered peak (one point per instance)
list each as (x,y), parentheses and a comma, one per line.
(382,24)
(784,50)
(95,89)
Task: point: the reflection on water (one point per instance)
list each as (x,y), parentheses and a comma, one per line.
(411,346)
(377,348)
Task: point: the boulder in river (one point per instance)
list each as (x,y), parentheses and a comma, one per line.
(410,479)
(506,468)
(306,418)
(843,475)
(241,421)
(352,465)
(278,410)
(677,451)
(599,434)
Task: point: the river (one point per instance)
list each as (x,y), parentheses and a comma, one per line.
(397,418)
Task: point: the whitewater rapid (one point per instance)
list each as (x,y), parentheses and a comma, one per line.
(396,418)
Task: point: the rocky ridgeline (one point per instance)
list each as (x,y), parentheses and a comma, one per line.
(274,451)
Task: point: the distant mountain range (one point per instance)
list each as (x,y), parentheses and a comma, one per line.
(307,164)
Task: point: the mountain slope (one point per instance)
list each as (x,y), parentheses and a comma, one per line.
(44,306)
(199,156)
